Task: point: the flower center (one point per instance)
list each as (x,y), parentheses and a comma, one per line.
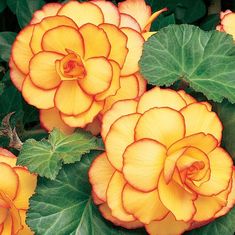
(71,67)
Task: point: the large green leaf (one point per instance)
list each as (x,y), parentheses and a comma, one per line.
(6,40)
(12,4)
(3,5)
(203,59)
(64,206)
(25,10)
(46,157)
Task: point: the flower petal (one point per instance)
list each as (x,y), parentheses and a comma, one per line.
(7,157)
(97,47)
(7,226)
(70,99)
(178,200)
(118,42)
(63,38)
(199,119)
(21,52)
(142,168)
(26,230)
(110,12)
(127,21)
(84,118)
(228,23)
(42,99)
(187,98)
(168,226)
(42,70)
(142,84)
(100,174)
(47,10)
(164,125)
(45,25)
(114,198)
(98,77)
(9,180)
(82,13)
(3,214)
(50,119)
(135,46)
(158,98)
(120,108)
(146,207)
(121,134)
(27,185)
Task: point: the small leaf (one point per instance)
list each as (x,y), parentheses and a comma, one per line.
(210,22)
(3,5)
(163,21)
(65,206)
(224,225)
(12,4)
(2,86)
(6,40)
(46,157)
(25,10)
(205,60)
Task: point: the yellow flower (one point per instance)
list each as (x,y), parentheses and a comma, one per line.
(74,60)
(163,167)
(227,23)
(16,187)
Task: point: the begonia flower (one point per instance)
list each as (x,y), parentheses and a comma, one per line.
(163,166)
(17,185)
(74,60)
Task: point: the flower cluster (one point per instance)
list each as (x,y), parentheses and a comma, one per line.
(163,167)
(74,60)
(16,187)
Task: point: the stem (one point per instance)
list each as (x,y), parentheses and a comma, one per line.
(33,132)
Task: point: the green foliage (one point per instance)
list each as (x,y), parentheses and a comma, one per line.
(6,40)
(210,22)
(205,60)
(64,206)
(46,157)
(3,5)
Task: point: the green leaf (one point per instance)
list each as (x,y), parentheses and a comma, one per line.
(46,157)
(25,10)
(210,22)
(2,86)
(163,21)
(226,113)
(203,59)
(6,40)
(64,206)
(12,4)
(222,226)
(3,5)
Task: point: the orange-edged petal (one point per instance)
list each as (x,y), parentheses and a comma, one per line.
(95,198)
(21,52)
(221,168)
(127,21)
(50,119)
(107,214)
(147,35)
(42,70)
(118,42)
(109,10)
(70,99)
(158,97)
(17,77)
(228,23)
(27,185)
(142,84)
(146,207)
(129,89)
(121,134)
(45,25)
(83,119)
(82,13)
(187,98)
(178,200)
(114,198)
(97,47)
(204,142)
(26,230)
(9,180)
(7,226)
(100,174)
(7,157)
(168,226)
(199,119)
(114,84)
(142,168)
(164,125)
(47,10)
(135,46)
(42,99)
(120,108)
(3,213)
(63,38)
(138,9)
(98,77)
